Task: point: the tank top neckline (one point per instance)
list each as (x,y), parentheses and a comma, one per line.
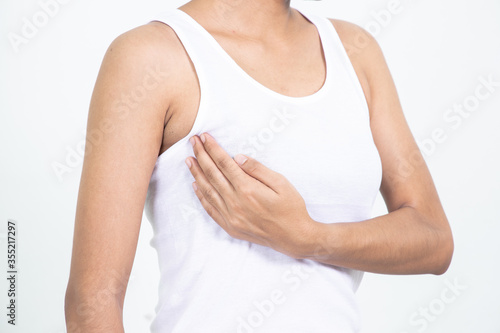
(308,98)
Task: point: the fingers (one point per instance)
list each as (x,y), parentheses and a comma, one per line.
(259,171)
(209,208)
(222,160)
(205,187)
(223,223)
(213,168)
(207,168)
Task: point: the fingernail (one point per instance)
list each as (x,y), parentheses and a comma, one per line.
(202,137)
(192,141)
(188,162)
(195,187)
(240,159)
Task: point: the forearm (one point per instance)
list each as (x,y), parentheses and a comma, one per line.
(401,242)
(93,314)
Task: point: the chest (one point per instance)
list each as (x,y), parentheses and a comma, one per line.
(298,71)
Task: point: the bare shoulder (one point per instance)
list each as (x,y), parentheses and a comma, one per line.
(150,49)
(147,41)
(358,42)
(363,51)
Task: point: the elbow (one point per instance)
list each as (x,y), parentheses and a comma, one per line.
(93,308)
(69,300)
(444,253)
(72,308)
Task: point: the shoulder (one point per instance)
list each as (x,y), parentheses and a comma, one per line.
(150,48)
(154,40)
(360,44)
(364,52)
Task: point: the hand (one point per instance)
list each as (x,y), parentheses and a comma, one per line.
(248,200)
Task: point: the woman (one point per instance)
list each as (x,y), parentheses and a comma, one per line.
(287,138)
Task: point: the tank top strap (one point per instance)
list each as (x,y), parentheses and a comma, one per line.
(198,47)
(211,60)
(328,34)
(337,52)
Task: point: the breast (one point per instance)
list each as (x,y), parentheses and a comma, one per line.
(328,154)
(325,149)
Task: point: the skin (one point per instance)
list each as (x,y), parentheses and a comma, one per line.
(260,35)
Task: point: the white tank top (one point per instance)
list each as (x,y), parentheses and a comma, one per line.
(322,143)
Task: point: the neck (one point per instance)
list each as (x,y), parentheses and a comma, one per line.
(255,18)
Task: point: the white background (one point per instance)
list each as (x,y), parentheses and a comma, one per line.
(436,50)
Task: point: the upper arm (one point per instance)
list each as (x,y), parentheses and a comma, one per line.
(406,180)
(124,135)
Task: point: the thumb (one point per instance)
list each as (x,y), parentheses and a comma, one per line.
(257,170)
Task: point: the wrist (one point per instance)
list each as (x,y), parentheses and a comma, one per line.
(310,244)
